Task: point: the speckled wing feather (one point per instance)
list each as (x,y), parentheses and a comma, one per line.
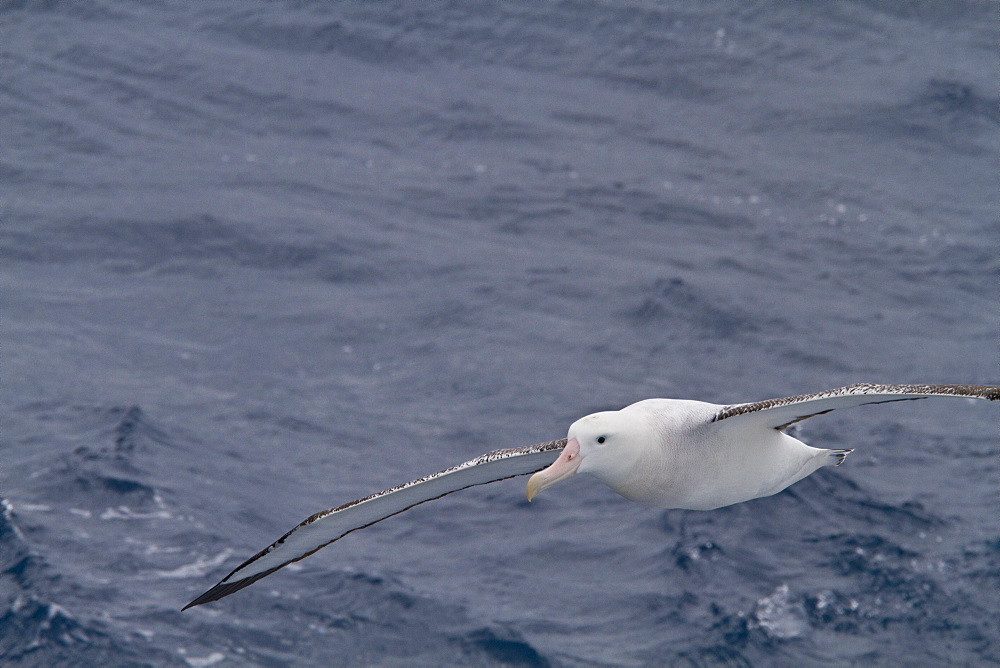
(781,413)
(325,527)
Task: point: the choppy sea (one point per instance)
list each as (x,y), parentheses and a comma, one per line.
(262,258)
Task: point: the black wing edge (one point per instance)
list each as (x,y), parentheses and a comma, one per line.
(224,588)
(988,392)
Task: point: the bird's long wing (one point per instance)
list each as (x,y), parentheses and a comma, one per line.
(327,526)
(781,413)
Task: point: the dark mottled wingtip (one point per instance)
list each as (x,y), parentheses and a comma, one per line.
(224,589)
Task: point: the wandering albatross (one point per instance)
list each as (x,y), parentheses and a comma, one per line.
(667,453)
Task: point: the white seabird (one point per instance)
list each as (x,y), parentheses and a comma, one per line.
(667,453)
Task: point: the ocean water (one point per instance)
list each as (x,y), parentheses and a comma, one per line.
(262,258)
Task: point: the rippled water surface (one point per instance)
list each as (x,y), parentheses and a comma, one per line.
(262,258)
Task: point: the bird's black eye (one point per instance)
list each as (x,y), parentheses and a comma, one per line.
(601,439)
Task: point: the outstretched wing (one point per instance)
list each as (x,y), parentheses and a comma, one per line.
(781,413)
(325,527)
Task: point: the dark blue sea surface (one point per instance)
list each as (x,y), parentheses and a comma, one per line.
(262,258)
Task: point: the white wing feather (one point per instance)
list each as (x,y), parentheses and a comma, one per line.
(325,527)
(781,413)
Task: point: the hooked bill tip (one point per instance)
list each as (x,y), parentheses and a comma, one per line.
(564,466)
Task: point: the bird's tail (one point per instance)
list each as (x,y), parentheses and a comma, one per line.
(837,457)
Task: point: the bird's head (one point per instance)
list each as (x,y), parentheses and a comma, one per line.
(602,444)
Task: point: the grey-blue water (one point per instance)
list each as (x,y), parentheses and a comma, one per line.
(262,258)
